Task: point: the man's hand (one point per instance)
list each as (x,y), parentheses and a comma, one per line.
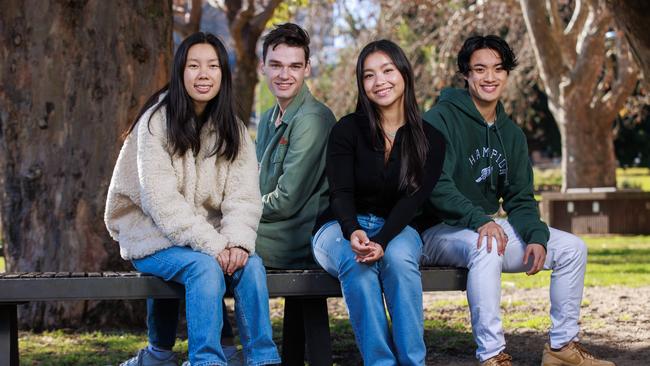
(359,242)
(538,253)
(490,230)
(376,253)
(237,260)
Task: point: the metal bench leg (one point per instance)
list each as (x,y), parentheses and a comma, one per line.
(8,335)
(317,331)
(293,333)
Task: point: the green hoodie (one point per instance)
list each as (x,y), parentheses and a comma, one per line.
(483,164)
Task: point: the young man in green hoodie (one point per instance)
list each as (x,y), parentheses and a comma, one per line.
(487,162)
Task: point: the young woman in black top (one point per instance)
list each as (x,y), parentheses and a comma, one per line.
(382,164)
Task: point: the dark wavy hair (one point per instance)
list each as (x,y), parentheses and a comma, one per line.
(495,43)
(414,144)
(287,33)
(183,125)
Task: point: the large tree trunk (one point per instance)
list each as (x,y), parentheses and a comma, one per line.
(73,76)
(588,158)
(586,85)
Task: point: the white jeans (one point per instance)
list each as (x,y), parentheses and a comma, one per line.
(566,256)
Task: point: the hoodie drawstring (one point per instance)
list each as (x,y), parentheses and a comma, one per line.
(506,182)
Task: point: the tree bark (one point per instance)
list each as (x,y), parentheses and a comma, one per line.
(246,26)
(73,75)
(588,158)
(632,16)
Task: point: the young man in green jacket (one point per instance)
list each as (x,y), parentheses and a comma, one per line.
(291,141)
(487,162)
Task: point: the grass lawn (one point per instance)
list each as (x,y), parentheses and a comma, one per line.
(613,260)
(2,264)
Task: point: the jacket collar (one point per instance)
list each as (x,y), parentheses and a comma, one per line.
(294,106)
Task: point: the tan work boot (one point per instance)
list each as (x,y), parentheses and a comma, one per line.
(502,359)
(570,355)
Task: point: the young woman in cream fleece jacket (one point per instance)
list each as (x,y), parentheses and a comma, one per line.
(184,205)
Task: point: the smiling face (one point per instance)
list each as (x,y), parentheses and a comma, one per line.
(382,81)
(285,70)
(202,75)
(486,79)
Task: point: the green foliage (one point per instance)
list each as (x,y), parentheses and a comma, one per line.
(612,260)
(286,10)
(2,264)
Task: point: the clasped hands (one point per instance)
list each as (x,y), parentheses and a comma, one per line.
(366,251)
(232,259)
(494,230)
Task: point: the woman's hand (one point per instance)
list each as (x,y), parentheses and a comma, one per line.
(375,254)
(237,260)
(359,242)
(224,259)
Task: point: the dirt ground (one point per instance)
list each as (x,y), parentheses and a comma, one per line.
(615,323)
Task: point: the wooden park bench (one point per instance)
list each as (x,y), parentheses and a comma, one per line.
(313,287)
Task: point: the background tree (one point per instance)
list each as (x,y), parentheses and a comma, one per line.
(73,75)
(632,17)
(587,83)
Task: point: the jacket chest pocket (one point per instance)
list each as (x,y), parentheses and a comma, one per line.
(279,154)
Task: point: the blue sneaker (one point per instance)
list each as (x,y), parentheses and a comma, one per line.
(146,358)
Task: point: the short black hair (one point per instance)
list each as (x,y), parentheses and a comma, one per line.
(495,43)
(287,33)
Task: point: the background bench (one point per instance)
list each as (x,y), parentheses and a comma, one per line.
(307,324)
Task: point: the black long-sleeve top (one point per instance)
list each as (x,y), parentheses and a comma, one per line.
(362,182)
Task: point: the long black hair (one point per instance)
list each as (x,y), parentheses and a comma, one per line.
(183,125)
(414,145)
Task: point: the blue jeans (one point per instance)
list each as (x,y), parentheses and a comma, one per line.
(397,274)
(205,285)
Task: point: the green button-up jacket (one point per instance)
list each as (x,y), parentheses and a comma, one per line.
(292,179)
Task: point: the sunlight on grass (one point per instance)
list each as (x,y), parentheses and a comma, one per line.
(523,320)
(638,178)
(61,347)
(612,260)
(2,264)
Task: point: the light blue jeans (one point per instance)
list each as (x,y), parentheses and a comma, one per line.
(205,285)
(397,275)
(566,256)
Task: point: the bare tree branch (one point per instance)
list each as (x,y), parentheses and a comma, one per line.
(194,22)
(260,20)
(590,48)
(550,63)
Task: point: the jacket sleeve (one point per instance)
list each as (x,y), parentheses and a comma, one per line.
(452,206)
(340,175)
(518,199)
(241,207)
(405,209)
(160,197)
(303,167)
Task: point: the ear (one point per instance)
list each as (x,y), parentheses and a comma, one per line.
(308,69)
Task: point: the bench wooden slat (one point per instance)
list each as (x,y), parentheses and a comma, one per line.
(134,285)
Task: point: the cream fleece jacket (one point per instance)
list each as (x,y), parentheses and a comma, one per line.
(157,200)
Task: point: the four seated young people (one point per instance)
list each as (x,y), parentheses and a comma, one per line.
(188,202)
